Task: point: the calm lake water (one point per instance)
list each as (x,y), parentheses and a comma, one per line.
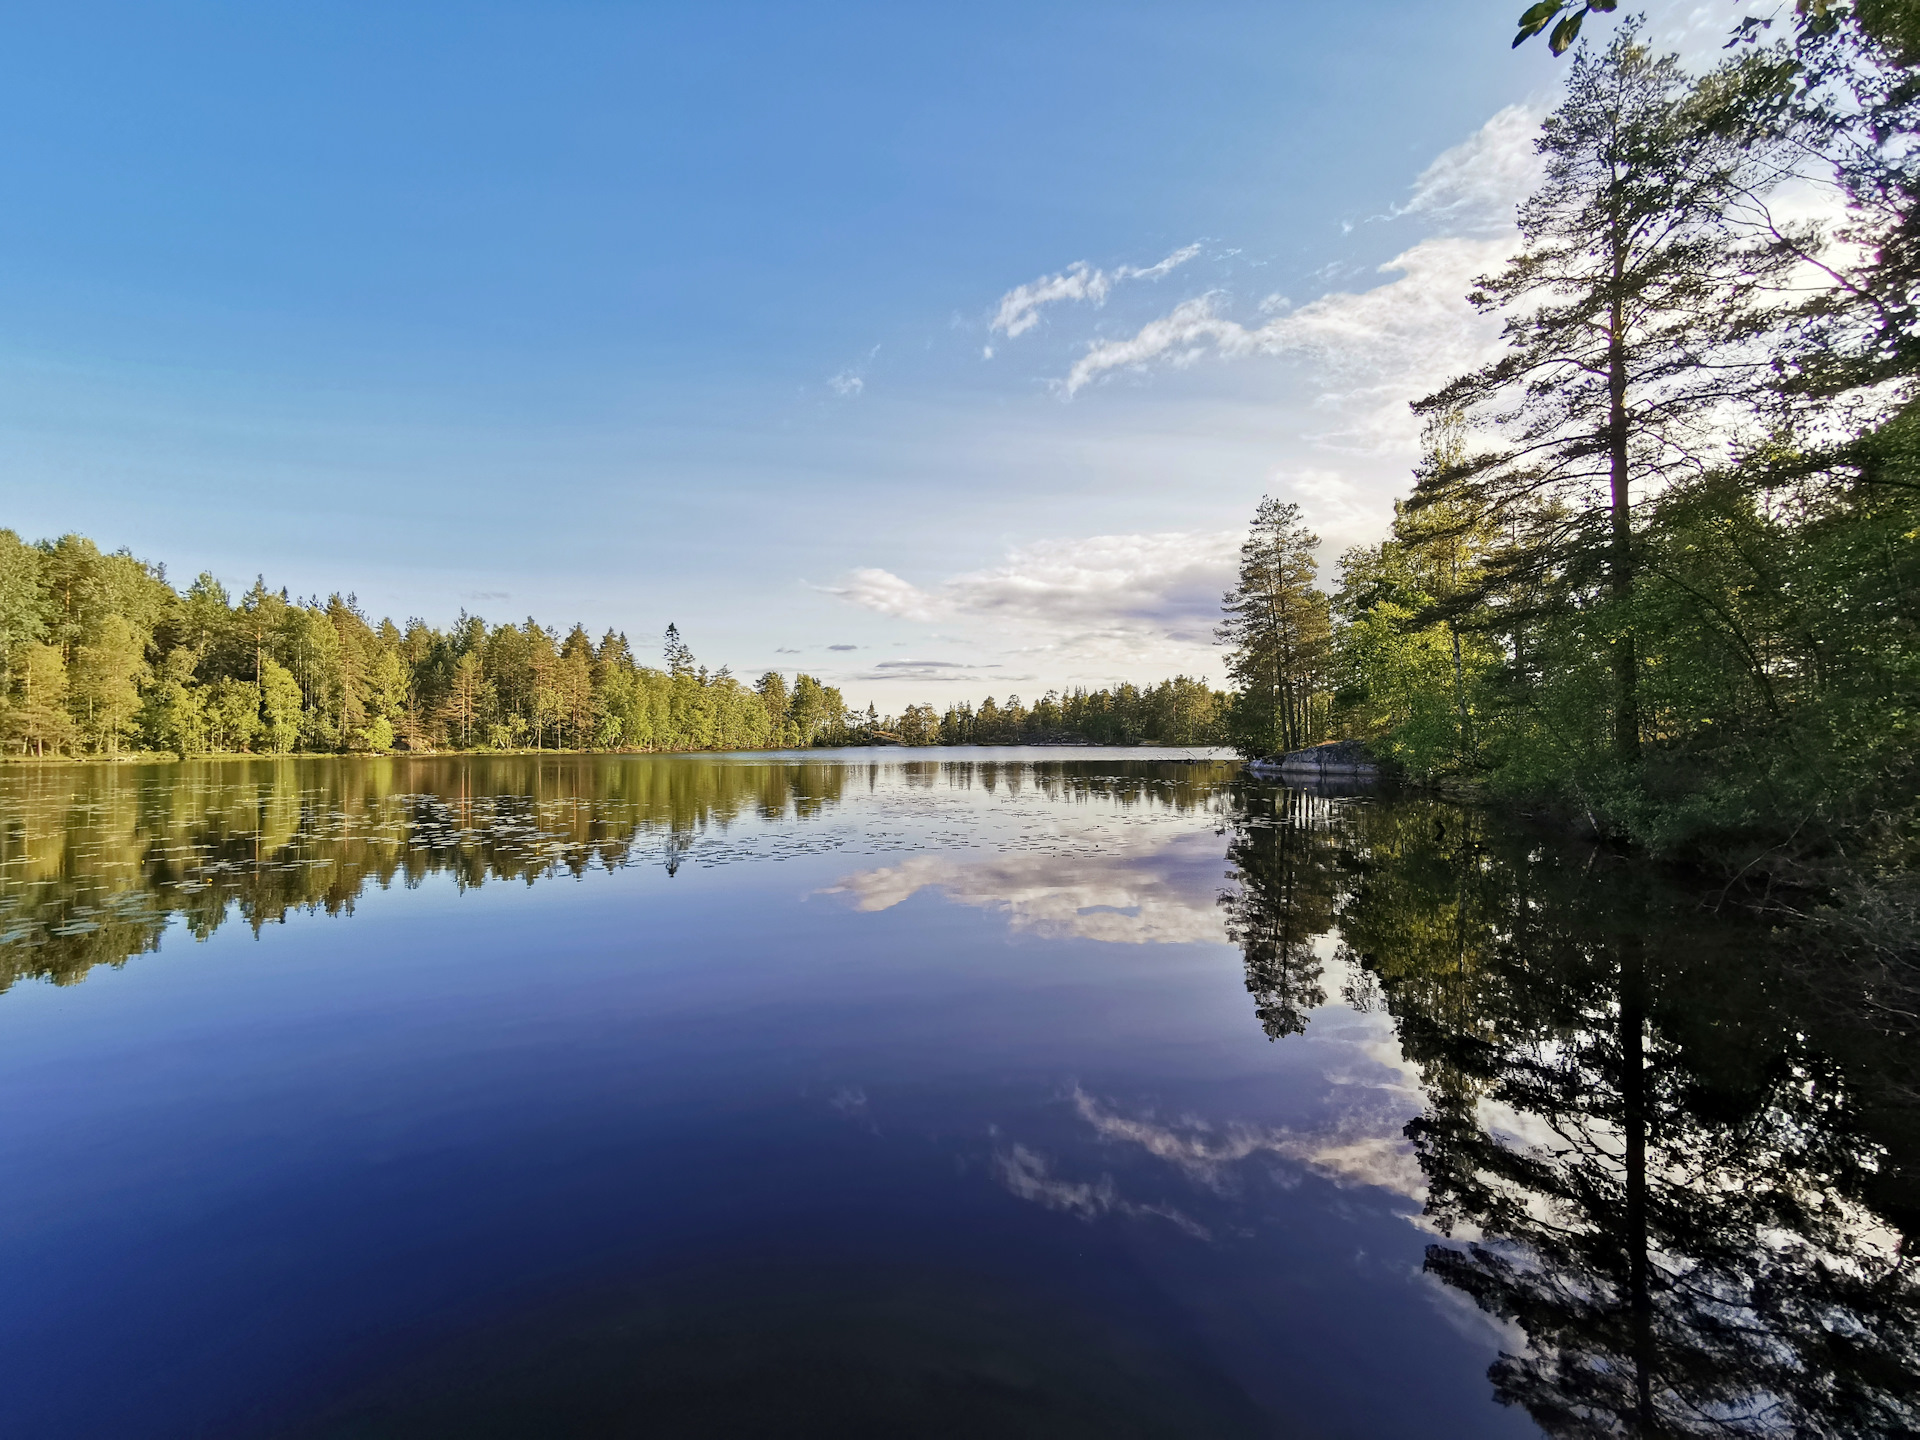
(948,1093)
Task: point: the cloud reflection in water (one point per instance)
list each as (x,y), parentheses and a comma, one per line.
(1162,892)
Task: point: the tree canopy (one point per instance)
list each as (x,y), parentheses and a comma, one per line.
(1660,565)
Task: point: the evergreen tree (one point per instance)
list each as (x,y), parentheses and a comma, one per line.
(1634,317)
(1414,654)
(678,655)
(1277,627)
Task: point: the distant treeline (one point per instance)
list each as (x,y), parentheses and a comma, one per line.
(102,654)
(99,654)
(1180,711)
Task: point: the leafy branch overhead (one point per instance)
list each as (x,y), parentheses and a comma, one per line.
(1566,17)
(1569,14)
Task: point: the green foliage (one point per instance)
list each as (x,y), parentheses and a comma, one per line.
(1564,15)
(100,655)
(198,673)
(23,618)
(1412,664)
(1419,691)
(37,719)
(280,707)
(103,683)
(1180,711)
(1674,530)
(1276,629)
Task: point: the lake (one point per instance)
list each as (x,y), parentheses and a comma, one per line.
(949,1092)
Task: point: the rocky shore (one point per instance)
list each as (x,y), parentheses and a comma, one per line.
(1335,760)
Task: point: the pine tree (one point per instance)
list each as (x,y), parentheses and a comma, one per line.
(679,656)
(1277,627)
(1635,313)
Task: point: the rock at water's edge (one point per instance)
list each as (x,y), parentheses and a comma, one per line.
(1344,759)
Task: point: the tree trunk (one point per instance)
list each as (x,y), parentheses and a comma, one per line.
(1460,696)
(1626,666)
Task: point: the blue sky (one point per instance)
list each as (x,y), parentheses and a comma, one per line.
(631,313)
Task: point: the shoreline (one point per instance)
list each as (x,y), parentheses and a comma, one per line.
(170,757)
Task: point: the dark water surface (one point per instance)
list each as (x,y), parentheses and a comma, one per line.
(953,1093)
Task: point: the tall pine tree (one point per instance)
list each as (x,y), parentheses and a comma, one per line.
(1277,629)
(1637,313)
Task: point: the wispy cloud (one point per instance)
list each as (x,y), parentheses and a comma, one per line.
(851,382)
(1365,1146)
(1479,181)
(942,672)
(1373,346)
(1399,336)
(882,590)
(1020,307)
(1026,1174)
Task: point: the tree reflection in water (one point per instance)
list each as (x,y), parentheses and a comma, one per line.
(1676,1148)
(97,861)
(1287,874)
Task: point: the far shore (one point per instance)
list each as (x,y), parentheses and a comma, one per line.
(169,757)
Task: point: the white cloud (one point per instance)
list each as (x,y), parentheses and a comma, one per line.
(846,385)
(945,672)
(1167,585)
(1159,268)
(1696,32)
(1180,338)
(1019,308)
(1334,505)
(1372,349)
(887,593)
(1481,180)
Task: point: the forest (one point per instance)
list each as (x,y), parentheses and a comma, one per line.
(102,656)
(1660,565)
